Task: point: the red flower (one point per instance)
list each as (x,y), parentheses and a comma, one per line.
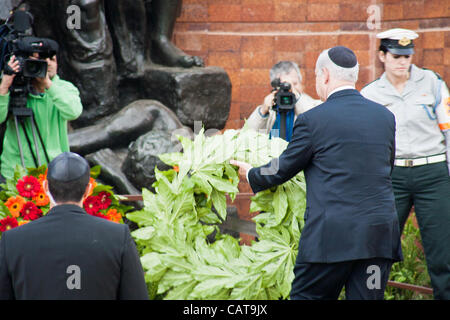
(104,199)
(30,211)
(28,186)
(8,223)
(100,215)
(92,205)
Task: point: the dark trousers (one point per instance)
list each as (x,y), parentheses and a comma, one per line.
(363,280)
(427,187)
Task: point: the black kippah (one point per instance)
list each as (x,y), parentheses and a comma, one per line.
(343,57)
(67,167)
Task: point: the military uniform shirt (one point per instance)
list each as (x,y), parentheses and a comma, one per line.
(419,127)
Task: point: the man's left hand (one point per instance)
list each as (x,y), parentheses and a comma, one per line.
(52,68)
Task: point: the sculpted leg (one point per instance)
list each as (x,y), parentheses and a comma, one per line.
(163,14)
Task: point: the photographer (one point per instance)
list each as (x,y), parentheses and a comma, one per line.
(53,102)
(264,117)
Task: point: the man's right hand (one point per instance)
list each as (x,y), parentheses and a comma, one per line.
(268,103)
(7,80)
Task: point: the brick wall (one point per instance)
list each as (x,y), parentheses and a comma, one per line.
(246,37)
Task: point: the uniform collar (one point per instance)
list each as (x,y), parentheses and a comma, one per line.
(416,74)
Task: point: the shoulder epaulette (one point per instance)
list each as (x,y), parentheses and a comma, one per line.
(437,74)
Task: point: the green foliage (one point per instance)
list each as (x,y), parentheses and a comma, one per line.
(179,260)
(412,269)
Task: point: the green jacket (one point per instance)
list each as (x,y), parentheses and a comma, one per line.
(52,109)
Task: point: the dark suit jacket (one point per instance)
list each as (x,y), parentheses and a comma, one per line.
(346,147)
(35,257)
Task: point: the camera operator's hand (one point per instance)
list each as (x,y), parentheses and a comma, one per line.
(7,80)
(268,103)
(52,68)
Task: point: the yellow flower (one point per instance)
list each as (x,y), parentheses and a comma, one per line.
(14,205)
(23,222)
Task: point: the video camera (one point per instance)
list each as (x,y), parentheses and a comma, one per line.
(284,99)
(15,40)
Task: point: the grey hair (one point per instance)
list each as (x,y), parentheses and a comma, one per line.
(284,67)
(337,72)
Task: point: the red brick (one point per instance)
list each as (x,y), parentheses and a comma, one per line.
(290,11)
(224,12)
(255,77)
(433,39)
(319,43)
(392,11)
(297,57)
(226,60)
(325,1)
(256,59)
(355,11)
(311,58)
(412,24)
(418,56)
(323,26)
(235,78)
(322,12)
(223,42)
(253,2)
(232,124)
(354,41)
(234,111)
(254,94)
(413,9)
(436,9)
(257,12)
(363,57)
(447,39)
(257,43)
(193,12)
(363,77)
(290,43)
(433,57)
(447,56)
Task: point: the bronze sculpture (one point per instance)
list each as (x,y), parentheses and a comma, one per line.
(122,52)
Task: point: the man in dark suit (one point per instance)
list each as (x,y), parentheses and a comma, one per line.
(68,254)
(346,148)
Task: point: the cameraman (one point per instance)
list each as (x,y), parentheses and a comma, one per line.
(53,102)
(264,117)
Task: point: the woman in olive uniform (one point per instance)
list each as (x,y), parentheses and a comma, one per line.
(420,101)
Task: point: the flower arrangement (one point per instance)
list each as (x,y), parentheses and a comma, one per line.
(23,199)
